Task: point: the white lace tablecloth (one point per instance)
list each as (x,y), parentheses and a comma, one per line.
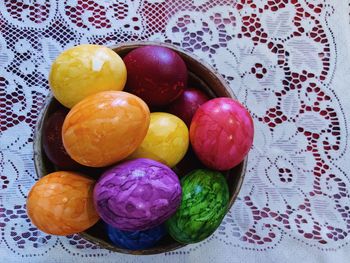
(286,60)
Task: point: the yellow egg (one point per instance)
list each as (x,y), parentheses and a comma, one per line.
(166,141)
(85,70)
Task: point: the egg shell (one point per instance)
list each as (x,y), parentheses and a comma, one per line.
(187,104)
(137,195)
(204,203)
(221,133)
(61,203)
(105,128)
(167,140)
(137,239)
(85,70)
(53,144)
(189,163)
(156,74)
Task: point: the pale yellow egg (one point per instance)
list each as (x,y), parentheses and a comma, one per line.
(166,141)
(85,70)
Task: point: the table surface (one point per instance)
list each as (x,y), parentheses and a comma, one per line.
(286,60)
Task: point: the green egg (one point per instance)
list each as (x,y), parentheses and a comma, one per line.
(205,199)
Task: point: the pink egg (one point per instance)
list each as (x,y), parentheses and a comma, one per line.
(186,105)
(221,133)
(156,74)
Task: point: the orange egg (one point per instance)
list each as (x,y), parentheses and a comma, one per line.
(61,203)
(105,128)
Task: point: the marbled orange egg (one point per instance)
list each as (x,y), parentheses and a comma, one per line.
(61,203)
(104,128)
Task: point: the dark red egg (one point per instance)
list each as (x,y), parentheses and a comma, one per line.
(52,142)
(93,172)
(186,105)
(189,163)
(156,74)
(221,133)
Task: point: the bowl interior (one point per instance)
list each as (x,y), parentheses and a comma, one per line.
(201,76)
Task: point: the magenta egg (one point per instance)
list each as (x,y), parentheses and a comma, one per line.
(221,133)
(52,141)
(186,105)
(156,74)
(137,195)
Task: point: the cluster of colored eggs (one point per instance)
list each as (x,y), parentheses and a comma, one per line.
(138,196)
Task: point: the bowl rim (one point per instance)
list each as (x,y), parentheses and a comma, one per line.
(38,151)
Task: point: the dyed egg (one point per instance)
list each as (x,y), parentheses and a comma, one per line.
(189,163)
(52,142)
(156,74)
(61,204)
(166,141)
(137,195)
(186,105)
(105,128)
(137,239)
(85,70)
(221,133)
(204,204)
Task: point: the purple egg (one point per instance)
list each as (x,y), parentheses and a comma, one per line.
(137,195)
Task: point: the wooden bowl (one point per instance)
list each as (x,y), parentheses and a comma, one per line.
(201,75)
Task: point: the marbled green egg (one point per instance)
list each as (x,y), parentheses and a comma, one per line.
(205,199)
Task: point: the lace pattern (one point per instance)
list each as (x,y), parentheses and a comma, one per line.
(279,57)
